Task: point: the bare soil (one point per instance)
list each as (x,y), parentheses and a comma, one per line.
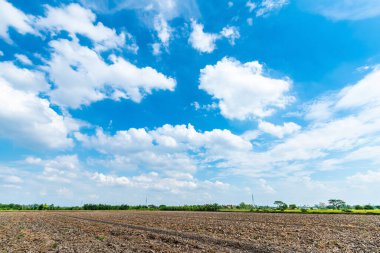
(138,231)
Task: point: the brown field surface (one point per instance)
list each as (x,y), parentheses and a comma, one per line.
(138,231)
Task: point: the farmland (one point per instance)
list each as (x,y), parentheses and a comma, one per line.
(155,231)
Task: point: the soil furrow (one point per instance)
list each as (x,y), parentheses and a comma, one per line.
(190,236)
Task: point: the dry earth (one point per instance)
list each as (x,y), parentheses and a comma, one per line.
(137,231)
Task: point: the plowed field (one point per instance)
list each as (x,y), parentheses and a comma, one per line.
(137,231)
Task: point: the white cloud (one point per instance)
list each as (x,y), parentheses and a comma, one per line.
(242,89)
(156,48)
(368,177)
(319,140)
(65,192)
(365,93)
(77,69)
(23,59)
(23,79)
(320,110)
(167,138)
(310,184)
(266,187)
(205,107)
(369,153)
(154,181)
(231,33)
(77,20)
(156,14)
(279,131)
(206,42)
(250,21)
(251,5)
(196,105)
(250,135)
(169,9)
(200,40)
(350,133)
(14,18)
(168,149)
(64,168)
(168,163)
(11,179)
(1,53)
(163,30)
(267,6)
(343,9)
(37,124)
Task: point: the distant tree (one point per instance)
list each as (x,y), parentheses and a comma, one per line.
(337,203)
(280,205)
(243,205)
(292,206)
(368,207)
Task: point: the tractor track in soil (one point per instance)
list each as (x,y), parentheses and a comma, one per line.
(235,245)
(296,225)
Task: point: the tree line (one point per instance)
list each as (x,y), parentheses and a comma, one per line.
(334,204)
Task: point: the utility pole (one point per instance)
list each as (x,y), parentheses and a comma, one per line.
(253,201)
(146,200)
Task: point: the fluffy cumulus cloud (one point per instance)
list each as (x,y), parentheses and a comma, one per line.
(64,168)
(164,33)
(153,181)
(156,14)
(200,40)
(345,139)
(343,9)
(73,67)
(37,124)
(30,93)
(11,17)
(243,90)
(231,33)
(340,130)
(279,131)
(174,151)
(58,179)
(69,170)
(78,69)
(24,79)
(349,135)
(206,42)
(75,19)
(166,158)
(166,140)
(9,178)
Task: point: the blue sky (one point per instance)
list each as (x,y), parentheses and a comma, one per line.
(189,101)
